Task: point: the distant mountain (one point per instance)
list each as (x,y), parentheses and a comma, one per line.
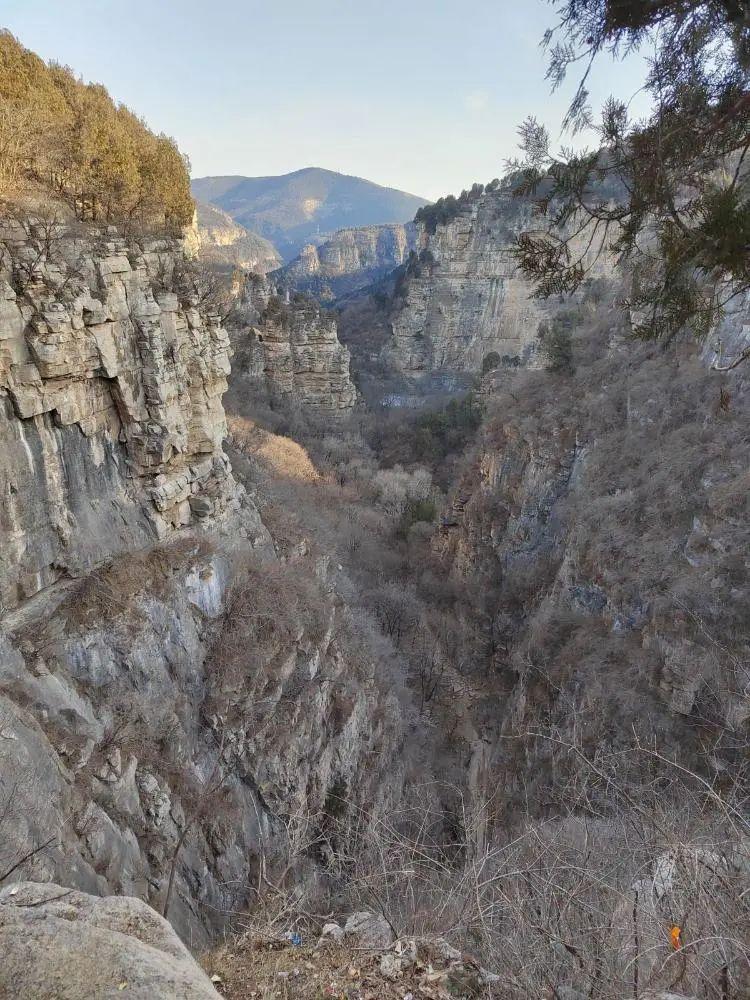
(305,206)
(226,243)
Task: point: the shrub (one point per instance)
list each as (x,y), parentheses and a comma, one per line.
(439,432)
(490,362)
(557,346)
(444,210)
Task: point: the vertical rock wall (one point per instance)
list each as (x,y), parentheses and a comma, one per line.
(464,299)
(111,418)
(349,260)
(293,348)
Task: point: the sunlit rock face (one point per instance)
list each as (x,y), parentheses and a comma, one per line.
(305,362)
(219,240)
(464,298)
(291,346)
(111,418)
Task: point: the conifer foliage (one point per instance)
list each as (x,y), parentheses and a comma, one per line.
(74,140)
(669,193)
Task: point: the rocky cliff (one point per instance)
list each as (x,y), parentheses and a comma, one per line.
(351,259)
(177,701)
(111,419)
(605,509)
(223,242)
(157,706)
(462,298)
(290,346)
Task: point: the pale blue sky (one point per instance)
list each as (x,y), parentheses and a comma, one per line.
(423,96)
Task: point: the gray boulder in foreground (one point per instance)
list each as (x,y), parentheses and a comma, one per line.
(60,944)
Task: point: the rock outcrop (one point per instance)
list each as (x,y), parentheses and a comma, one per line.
(351,259)
(607,506)
(120,700)
(111,418)
(223,242)
(72,946)
(126,696)
(462,298)
(291,347)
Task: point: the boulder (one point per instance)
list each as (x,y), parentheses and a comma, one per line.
(370,930)
(330,933)
(62,944)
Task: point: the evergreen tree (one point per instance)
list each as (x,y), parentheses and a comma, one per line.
(71,137)
(671,194)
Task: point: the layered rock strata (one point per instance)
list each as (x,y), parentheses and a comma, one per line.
(463,298)
(111,418)
(292,347)
(351,259)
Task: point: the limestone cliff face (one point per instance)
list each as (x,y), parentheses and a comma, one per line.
(222,241)
(111,418)
(121,700)
(463,298)
(294,350)
(351,259)
(131,672)
(304,362)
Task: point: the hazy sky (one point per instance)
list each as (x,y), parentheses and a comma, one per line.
(423,96)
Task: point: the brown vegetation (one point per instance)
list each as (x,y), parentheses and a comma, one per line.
(73,140)
(575,645)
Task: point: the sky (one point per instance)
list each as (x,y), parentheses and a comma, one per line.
(418,95)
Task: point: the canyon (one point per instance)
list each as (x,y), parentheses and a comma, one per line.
(371,597)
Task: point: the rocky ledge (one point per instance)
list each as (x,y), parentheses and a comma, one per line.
(111,419)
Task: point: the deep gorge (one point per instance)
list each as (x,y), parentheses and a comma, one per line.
(371,583)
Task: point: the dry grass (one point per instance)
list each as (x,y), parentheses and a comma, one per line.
(112,589)
(280,456)
(259,967)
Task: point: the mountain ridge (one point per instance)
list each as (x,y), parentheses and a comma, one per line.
(306,205)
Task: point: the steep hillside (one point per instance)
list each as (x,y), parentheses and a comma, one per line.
(146,755)
(293,209)
(350,260)
(71,141)
(226,244)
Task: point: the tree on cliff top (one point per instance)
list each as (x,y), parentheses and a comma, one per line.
(72,139)
(670,194)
